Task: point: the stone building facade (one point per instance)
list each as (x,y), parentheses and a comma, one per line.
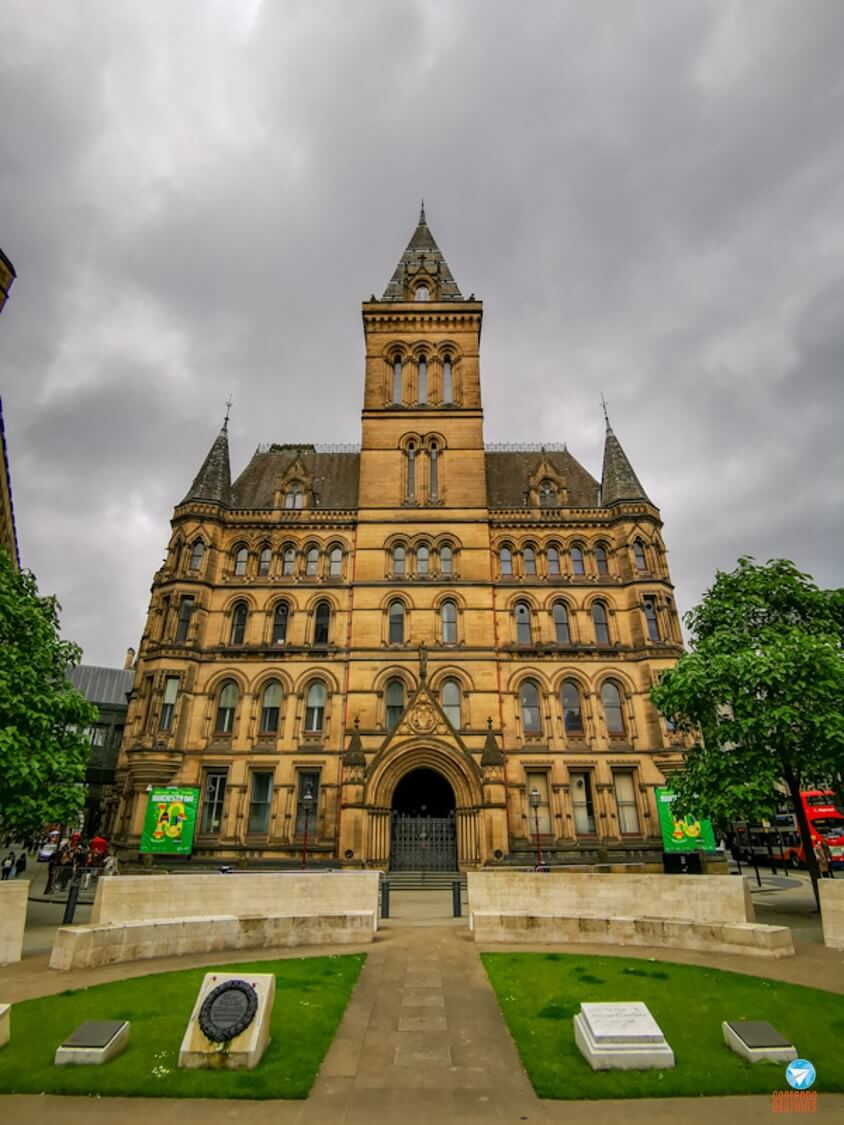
(392,647)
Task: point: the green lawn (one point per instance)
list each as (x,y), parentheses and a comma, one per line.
(311,996)
(539,994)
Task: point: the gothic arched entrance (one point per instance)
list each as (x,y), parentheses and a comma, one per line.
(422,836)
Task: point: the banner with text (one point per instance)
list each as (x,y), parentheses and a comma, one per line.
(682,834)
(170,821)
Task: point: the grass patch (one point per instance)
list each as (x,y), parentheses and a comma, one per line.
(312,994)
(540,993)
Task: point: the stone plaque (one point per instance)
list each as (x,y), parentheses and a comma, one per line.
(622,1023)
(94,1042)
(228,1010)
(5,1024)
(621,1037)
(94,1033)
(757,1041)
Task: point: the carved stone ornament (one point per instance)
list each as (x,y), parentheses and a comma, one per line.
(422,717)
(228,1010)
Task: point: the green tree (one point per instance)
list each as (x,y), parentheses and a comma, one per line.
(43,719)
(761,693)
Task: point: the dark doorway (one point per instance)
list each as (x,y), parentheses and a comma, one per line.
(423,835)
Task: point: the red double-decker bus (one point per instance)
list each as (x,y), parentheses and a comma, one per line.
(779,838)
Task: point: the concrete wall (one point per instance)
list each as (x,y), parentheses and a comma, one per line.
(698,898)
(832,912)
(13,896)
(131,898)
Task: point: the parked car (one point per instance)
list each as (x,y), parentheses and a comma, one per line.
(45,852)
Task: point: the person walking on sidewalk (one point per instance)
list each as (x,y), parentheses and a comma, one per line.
(8,864)
(20,865)
(823,862)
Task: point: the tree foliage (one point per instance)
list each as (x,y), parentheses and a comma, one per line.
(43,718)
(761,693)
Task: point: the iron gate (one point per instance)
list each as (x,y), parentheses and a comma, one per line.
(423,843)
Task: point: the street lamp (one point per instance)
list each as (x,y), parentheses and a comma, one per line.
(307,798)
(534,799)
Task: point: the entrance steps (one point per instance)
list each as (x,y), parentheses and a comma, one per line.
(425,880)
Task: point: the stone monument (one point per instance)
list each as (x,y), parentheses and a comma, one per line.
(757,1041)
(5,1024)
(93,1043)
(621,1037)
(229,1027)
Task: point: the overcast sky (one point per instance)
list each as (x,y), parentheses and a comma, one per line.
(648,197)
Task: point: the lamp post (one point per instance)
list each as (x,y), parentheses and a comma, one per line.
(534,799)
(307,798)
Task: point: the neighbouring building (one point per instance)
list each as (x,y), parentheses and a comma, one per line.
(423,650)
(108,689)
(8,533)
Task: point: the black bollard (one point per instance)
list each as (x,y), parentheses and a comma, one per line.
(385,899)
(456,907)
(70,907)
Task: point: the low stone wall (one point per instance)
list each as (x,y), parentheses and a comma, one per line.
(84,947)
(13,898)
(750,938)
(130,898)
(832,911)
(698,898)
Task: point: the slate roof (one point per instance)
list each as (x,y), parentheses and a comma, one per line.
(332,476)
(212,484)
(507,477)
(618,481)
(108,686)
(422,256)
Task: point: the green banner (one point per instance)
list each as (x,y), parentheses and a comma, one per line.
(682,835)
(170,821)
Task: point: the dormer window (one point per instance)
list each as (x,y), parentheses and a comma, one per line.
(422,293)
(547,495)
(294,497)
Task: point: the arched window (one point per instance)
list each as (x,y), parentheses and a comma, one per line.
(315,708)
(446,559)
(523,629)
(505,561)
(241,557)
(434,455)
(547,494)
(448,614)
(396,378)
(295,496)
(601,564)
(396,623)
(529,703)
(395,703)
(529,560)
(613,714)
(577,561)
(561,623)
(264,560)
(651,618)
(398,561)
(423,556)
(448,389)
(639,555)
(599,620)
(270,707)
(422,382)
(312,562)
(422,293)
(553,557)
(239,615)
(411,471)
(197,551)
(335,562)
(289,563)
(450,699)
(322,619)
(225,708)
(572,715)
(280,619)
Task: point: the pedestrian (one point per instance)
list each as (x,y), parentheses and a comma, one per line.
(8,863)
(823,863)
(827,851)
(52,865)
(110,864)
(20,864)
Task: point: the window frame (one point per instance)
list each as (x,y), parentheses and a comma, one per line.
(534,727)
(601,627)
(239,621)
(448,627)
(563,626)
(587,805)
(575,726)
(322,623)
(281,623)
(240,559)
(226,713)
(453,709)
(613,731)
(168,706)
(523,623)
(623,808)
(393,710)
(315,710)
(396,620)
(264,723)
(265,804)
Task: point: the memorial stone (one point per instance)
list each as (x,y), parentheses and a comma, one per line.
(621,1037)
(5,1024)
(229,1027)
(93,1043)
(757,1041)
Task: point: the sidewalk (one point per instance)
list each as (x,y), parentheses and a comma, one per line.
(422,1043)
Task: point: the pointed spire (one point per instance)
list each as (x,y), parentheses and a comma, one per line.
(422,263)
(492,754)
(354,755)
(212,484)
(618,481)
